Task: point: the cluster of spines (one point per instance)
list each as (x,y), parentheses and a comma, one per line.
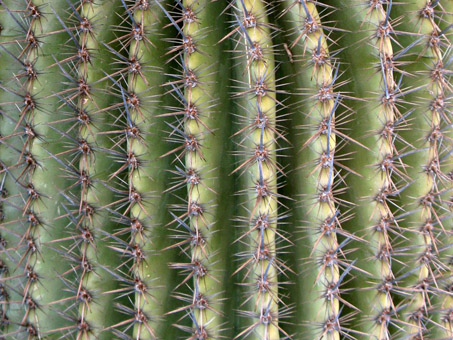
(319,70)
(197,165)
(429,308)
(258,141)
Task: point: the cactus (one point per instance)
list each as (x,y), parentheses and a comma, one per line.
(244,169)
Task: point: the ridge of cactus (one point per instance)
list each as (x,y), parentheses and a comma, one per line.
(258,144)
(200,219)
(319,161)
(143,172)
(143,275)
(88,196)
(426,200)
(37,107)
(12,218)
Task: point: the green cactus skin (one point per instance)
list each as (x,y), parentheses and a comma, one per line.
(118,150)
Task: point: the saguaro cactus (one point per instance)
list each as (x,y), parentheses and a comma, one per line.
(244,169)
